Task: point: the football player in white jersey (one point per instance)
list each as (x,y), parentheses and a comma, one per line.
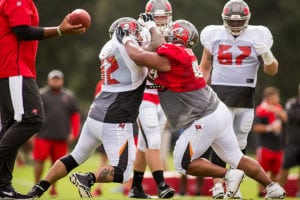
(152,120)
(109,122)
(232,55)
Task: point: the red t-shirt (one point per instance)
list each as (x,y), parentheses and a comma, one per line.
(185,74)
(17,57)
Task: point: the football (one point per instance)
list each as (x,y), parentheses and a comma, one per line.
(80,16)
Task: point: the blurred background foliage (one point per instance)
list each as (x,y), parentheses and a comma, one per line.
(77,56)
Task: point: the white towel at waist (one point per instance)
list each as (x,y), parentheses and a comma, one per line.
(16,94)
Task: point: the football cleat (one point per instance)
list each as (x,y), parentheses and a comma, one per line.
(9,193)
(165,192)
(218,191)
(233,178)
(83,182)
(138,193)
(274,191)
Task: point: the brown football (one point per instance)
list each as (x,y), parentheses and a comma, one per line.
(80,16)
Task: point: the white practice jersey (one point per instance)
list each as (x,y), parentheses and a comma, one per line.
(118,71)
(235,60)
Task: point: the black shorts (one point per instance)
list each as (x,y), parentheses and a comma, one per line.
(291,156)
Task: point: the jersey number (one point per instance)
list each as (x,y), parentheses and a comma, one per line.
(108,66)
(225,57)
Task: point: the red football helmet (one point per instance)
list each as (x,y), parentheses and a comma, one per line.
(162,12)
(126,23)
(236,15)
(184,32)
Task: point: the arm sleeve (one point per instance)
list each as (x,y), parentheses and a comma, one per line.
(28,32)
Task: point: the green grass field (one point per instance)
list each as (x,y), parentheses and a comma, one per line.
(24,180)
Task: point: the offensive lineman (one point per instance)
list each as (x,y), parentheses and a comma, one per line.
(232,55)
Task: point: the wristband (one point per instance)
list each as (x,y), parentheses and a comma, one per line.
(58,31)
(267,57)
(125,39)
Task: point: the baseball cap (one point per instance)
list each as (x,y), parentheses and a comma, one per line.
(55,73)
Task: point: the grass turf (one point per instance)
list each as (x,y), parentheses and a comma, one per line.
(24,179)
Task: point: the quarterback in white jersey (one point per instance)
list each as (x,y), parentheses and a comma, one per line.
(232,55)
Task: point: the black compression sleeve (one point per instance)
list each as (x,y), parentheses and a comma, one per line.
(28,32)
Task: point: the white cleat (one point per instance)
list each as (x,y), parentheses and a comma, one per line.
(274,191)
(218,191)
(233,178)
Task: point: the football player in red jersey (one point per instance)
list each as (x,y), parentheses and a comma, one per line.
(194,110)
(231,58)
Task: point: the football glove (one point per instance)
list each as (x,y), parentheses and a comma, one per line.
(122,34)
(147,20)
(265,53)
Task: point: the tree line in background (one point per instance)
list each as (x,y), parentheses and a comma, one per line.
(77,56)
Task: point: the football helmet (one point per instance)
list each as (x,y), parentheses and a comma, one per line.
(184,32)
(162,13)
(126,23)
(236,15)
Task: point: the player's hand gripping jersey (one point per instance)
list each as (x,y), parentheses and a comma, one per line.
(235,60)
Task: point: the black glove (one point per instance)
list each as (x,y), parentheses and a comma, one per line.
(147,20)
(147,17)
(122,32)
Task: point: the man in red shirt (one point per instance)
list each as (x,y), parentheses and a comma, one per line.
(21,107)
(194,110)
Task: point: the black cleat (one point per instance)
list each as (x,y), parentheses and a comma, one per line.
(165,192)
(83,182)
(138,193)
(8,193)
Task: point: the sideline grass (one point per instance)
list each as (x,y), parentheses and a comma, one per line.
(24,180)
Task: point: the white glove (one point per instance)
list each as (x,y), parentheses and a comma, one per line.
(265,53)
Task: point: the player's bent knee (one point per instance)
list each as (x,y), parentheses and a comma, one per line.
(69,162)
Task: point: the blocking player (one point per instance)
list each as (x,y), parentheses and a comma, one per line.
(232,55)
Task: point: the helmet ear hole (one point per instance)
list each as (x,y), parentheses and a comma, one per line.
(236,15)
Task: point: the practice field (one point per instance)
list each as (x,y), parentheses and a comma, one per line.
(24,178)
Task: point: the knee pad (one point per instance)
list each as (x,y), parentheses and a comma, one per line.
(69,162)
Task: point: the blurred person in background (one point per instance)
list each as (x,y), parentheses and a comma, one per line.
(292,140)
(61,127)
(268,123)
(21,107)
(231,58)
